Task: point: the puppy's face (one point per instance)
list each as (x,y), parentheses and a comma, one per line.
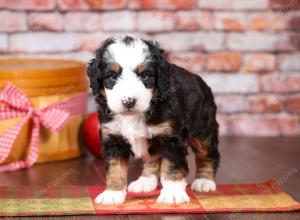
(126,72)
(126,75)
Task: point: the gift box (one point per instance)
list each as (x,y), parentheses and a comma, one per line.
(42,106)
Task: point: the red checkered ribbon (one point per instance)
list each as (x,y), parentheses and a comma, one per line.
(14,103)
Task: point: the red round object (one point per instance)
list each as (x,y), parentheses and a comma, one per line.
(91,134)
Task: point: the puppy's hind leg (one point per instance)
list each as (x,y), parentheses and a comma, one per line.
(148,181)
(207,160)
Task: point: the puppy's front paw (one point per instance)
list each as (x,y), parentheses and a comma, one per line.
(143,184)
(110,197)
(173,192)
(204,185)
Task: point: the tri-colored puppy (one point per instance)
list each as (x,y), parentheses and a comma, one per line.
(153,110)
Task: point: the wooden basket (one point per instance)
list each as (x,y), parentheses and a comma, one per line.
(45,81)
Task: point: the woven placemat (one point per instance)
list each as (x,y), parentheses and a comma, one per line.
(78,200)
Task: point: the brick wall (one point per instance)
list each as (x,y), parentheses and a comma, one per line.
(247,51)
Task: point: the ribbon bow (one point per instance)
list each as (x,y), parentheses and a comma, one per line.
(14,103)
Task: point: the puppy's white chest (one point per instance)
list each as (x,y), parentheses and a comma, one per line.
(134,129)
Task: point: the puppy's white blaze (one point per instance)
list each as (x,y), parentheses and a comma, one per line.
(203,185)
(110,197)
(143,184)
(128,56)
(173,192)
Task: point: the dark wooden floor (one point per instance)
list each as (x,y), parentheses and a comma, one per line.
(243,160)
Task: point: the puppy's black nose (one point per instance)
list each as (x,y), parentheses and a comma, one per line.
(129,102)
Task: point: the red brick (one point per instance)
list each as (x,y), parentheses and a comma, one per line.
(264,104)
(230,103)
(290,126)
(193,62)
(241,21)
(285,5)
(157,4)
(289,62)
(41,5)
(233,4)
(232,83)
(12,21)
(260,104)
(223,61)
(295,40)
(294,21)
(184,41)
(92,41)
(281,83)
(118,21)
(194,20)
(292,104)
(45,42)
(274,21)
(74,21)
(84,56)
(155,21)
(259,62)
(229,21)
(3,43)
(224,129)
(45,21)
(91,4)
(259,41)
(253,125)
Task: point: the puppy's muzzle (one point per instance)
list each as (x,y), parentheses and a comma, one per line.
(129,102)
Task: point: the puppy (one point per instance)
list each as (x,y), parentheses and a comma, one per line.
(153,110)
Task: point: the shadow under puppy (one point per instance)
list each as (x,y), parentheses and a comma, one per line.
(153,110)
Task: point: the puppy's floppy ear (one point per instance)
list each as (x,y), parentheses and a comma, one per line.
(95,66)
(94,74)
(162,67)
(163,73)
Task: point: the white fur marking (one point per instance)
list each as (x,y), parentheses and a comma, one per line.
(128,85)
(173,192)
(135,130)
(162,128)
(143,184)
(128,56)
(203,185)
(109,197)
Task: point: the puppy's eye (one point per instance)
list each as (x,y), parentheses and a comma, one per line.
(144,76)
(113,77)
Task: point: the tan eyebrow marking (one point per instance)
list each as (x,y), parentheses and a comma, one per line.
(142,67)
(115,67)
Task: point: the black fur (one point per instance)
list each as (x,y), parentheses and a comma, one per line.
(160,67)
(115,147)
(95,72)
(128,40)
(182,98)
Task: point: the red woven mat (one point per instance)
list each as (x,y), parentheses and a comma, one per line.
(77,200)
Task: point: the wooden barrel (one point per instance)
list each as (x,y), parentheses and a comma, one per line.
(45,81)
